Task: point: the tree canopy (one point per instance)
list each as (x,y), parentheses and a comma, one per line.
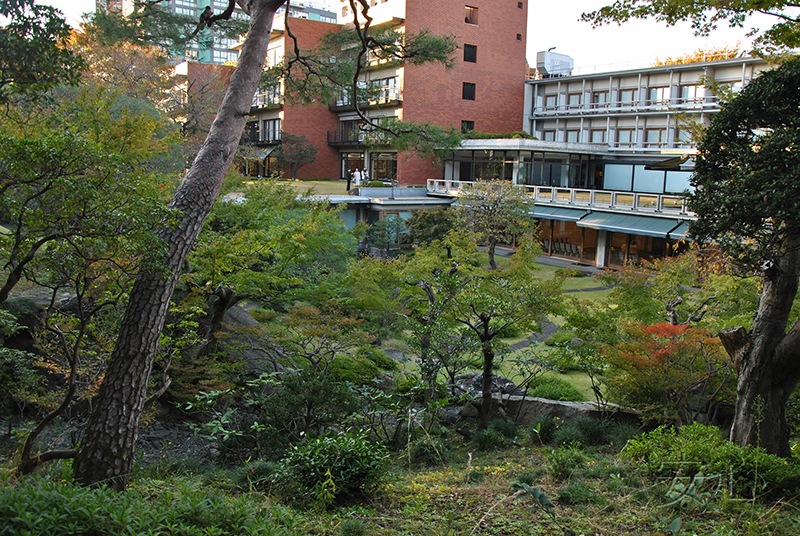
(706,15)
(747,200)
(39,34)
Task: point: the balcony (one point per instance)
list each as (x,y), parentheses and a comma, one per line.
(377,98)
(628,202)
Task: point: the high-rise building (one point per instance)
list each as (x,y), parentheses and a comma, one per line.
(482,91)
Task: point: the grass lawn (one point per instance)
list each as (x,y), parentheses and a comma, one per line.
(320,187)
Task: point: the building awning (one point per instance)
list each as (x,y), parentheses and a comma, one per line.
(265,152)
(681,232)
(625,223)
(556,213)
(676,163)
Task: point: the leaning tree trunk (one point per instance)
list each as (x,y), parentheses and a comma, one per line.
(106,451)
(767,359)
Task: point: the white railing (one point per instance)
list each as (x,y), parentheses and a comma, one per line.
(582,198)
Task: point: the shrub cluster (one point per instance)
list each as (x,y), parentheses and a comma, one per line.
(665,451)
(583,431)
(328,469)
(36,506)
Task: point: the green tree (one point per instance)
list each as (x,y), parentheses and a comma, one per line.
(294,153)
(106,453)
(34,56)
(427,225)
(705,15)
(510,296)
(746,197)
(498,211)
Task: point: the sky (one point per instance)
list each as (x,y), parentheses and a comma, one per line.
(635,44)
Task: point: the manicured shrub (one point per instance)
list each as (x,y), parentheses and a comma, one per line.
(697,447)
(559,338)
(377,356)
(554,388)
(327,469)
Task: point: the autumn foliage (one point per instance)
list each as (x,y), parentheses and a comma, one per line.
(673,374)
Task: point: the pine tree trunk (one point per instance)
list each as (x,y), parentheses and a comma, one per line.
(767,361)
(106,452)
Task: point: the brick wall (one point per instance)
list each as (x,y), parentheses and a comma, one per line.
(433,94)
(315,120)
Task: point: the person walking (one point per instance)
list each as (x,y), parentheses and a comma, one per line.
(356,178)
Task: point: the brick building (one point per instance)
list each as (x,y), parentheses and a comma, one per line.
(483,91)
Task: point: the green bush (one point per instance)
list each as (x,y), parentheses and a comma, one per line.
(542,431)
(352,527)
(32,507)
(665,452)
(489,439)
(507,428)
(377,356)
(429,453)
(564,461)
(559,338)
(263,315)
(356,370)
(256,476)
(569,272)
(554,388)
(328,469)
(511,331)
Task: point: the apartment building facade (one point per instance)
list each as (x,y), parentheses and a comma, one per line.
(484,89)
(611,164)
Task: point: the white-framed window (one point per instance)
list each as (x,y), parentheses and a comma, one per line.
(655,137)
(626,137)
(600,99)
(628,97)
(690,94)
(658,95)
(598,135)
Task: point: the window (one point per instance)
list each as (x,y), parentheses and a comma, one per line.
(519,5)
(683,138)
(519,37)
(600,99)
(628,97)
(574,100)
(573,136)
(550,102)
(470,15)
(549,135)
(598,136)
(626,137)
(690,94)
(658,95)
(655,137)
(471,53)
(271,130)
(467,126)
(383,90)
(468,91)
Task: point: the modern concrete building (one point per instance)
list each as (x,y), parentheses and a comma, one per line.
(610,168)
(482,91)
